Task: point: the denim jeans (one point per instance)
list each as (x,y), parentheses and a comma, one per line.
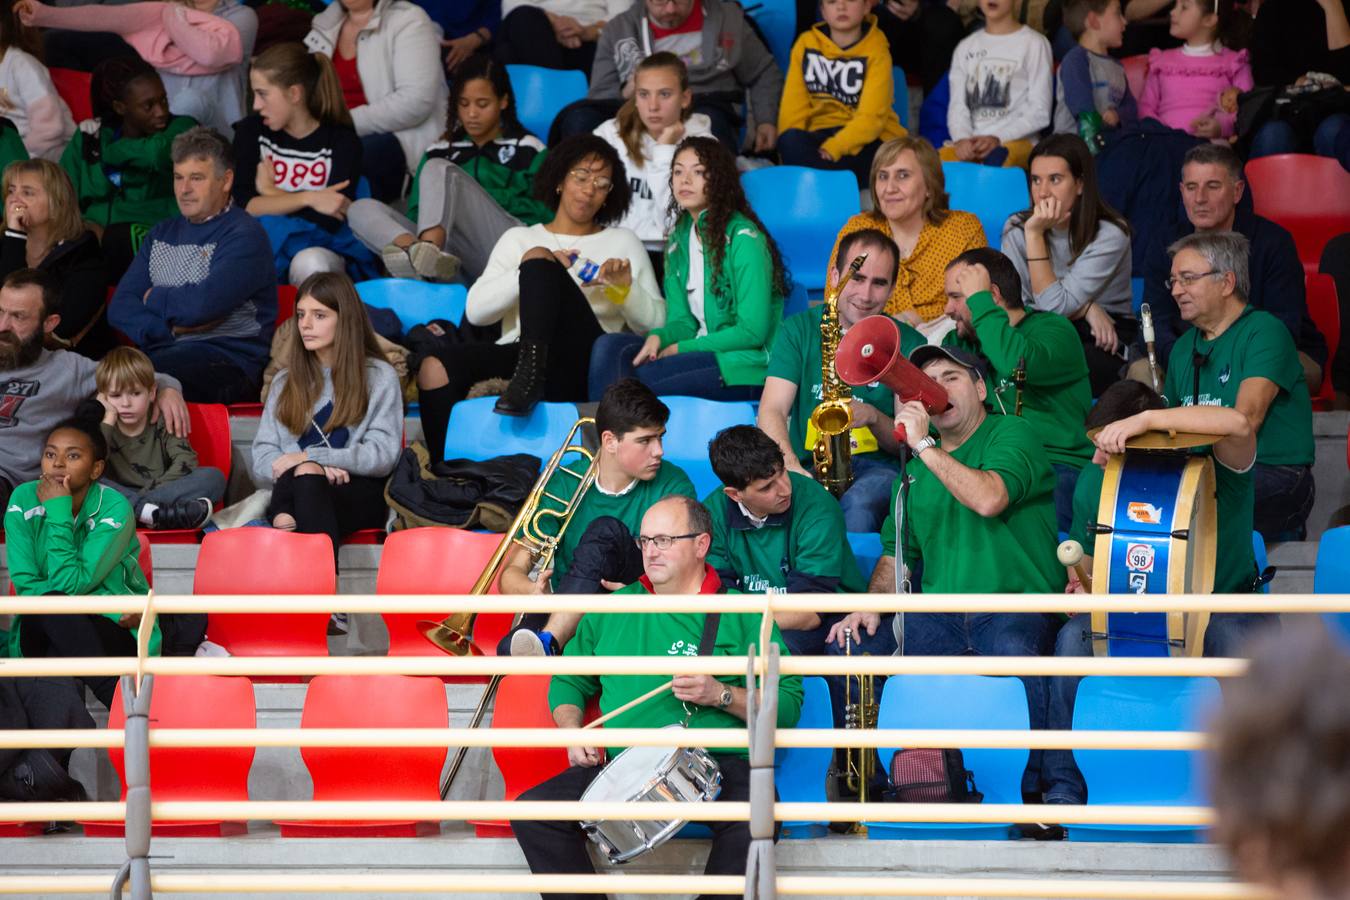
(1280,137)
(811,642)
(868,499)
(1284,497)
(798,147)
(208,374)
(203,481)
(1226,636)
(1066,478)
(991,634)
(684,374)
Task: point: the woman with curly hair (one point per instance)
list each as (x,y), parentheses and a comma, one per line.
(725,286)
(554,288)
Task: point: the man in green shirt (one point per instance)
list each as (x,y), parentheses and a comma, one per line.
(1244,358)
(675,538)
(597,551)
(1124,410)
(984,298)
(793,386)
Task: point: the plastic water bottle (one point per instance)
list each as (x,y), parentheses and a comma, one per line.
(588,271)
(1090,127)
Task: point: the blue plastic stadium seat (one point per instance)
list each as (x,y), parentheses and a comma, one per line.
(958,701)
(541,93)
(777,19)
(801,771)
(1141,777)
(1332,572)
(796,301)
(1262,560)
(693,423)
(989,192)
(803,210)
(414,302)
(476,432)
(901,101)
(1137,290)
(867,549)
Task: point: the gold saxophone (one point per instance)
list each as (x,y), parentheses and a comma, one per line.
(833,416)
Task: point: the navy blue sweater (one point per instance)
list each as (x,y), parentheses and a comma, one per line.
(218,274)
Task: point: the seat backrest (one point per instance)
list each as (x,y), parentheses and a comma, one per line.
(1325,309)
(522,702)
(801,771)
(1136,73)
(286,297)
(1331,575)
(693,423)
(194,701)
(1262,560)
(963,702)
(1136,293)
(991,193)
(476,432)
(415,562)
(210,435)
(866,549)
(1309,195)
(541,93)
(144,559)
(266,561)
(900,102)
(1118,703)
(375,701)
(73,87)
(777,20)
(798,205)
(415,302)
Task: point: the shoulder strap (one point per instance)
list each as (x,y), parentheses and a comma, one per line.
(709,639)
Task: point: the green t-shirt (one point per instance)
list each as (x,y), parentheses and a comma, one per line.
(1235,561)
(965,552)
(808,539)
(628,507)
(663,634)
(1057,394)
(795,357)
(1256,345)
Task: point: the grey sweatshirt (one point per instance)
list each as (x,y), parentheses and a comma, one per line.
(33,399)
(732,59)
(1100,274)
(373,444)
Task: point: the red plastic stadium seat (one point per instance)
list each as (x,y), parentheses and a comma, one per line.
(209,774)
(365,773)
(73,86)
(1325,310)
(146,559)
(268,562)
(210,437)
(436,561)
(285,309)
(1136,73)
(1309,195)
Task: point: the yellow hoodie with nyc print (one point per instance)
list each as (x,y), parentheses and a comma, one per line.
(832,87)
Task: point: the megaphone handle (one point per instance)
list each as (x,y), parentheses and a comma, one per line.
(901,436)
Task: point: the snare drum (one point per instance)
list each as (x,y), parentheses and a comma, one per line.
(1155,534)
(653,774)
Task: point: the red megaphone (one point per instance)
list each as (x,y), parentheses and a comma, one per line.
(871,352)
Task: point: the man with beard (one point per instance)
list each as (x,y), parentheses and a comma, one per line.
(40,387)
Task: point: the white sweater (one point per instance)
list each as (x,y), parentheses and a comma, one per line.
(587,12)
(1001,85)
(649,178)
(495,296)
(29,100)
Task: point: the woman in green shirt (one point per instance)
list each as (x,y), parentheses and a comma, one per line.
(724,285)
(69,535)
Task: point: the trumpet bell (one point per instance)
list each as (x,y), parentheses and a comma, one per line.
(448,639)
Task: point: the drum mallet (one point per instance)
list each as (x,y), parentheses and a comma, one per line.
(1070,555)
(595,723)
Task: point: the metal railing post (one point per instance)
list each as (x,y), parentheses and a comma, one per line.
(761,721)
(136,743)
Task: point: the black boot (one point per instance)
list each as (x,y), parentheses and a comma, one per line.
(527,384)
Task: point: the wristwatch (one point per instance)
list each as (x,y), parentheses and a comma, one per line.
(725,700)
(925,444)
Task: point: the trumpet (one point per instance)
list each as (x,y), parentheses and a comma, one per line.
(833,416)
(859,712)
(453,633)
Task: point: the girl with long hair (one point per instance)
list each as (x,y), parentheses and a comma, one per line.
(1194,88)
(43,230)
(298,161)
(1072,251)
(332,428)
(470,186)
(645,133)
(725,285)
(30,98)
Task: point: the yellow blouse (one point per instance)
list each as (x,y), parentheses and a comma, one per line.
(919,283)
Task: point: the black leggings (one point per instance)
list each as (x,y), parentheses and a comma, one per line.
(553,312)
(319,507)
(44,635)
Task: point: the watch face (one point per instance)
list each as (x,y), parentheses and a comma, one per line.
(726,697)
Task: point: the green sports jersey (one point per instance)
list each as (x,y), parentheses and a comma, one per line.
(1057,394)
(1235,565)
(965,552)
(1257,345)
(628,507)
(664,634)
(809,539)
(795,357)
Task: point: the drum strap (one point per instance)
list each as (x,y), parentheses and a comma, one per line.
(709,639)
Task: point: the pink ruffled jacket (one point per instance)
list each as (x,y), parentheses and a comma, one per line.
(168,36)
(1181,88)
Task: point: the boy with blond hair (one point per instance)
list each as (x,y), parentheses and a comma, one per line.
(1089,80)
(155,470)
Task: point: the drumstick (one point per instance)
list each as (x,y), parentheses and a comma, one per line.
(1070,555)
(630,704)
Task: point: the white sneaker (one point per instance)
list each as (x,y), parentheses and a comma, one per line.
(527,643)
(432,263)
(397,261)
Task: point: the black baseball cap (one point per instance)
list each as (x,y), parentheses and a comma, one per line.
(922,356)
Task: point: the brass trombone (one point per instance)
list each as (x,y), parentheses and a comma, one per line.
(453,633)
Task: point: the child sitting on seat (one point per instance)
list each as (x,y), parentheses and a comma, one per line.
(1089,80)
(155,470)
(1192,88)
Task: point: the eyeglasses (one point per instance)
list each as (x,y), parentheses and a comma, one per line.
(662,541)
(1189,278)
(584,178)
